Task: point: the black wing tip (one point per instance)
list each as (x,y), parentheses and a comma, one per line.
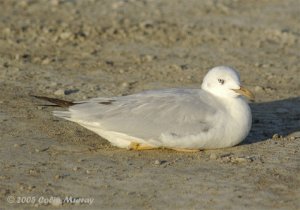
(56,101)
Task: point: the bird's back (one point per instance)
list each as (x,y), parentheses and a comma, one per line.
(149,115)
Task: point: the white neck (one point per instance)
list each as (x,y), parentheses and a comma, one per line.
(241,119)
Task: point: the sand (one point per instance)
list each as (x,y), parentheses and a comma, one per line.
(81,49)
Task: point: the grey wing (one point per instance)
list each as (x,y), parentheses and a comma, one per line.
(150,114)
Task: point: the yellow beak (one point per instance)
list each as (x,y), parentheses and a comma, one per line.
(245,92)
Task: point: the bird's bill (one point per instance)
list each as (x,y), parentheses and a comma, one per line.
(245,92)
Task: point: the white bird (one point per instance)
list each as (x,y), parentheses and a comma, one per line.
(215,116)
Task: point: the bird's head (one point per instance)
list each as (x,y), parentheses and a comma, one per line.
(224,81)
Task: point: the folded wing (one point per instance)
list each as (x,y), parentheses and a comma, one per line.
(150,114)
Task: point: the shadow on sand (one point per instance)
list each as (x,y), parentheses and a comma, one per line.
(276,117)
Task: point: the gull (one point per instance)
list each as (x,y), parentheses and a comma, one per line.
(215,116)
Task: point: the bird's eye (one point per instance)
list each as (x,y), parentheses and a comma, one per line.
(221,81)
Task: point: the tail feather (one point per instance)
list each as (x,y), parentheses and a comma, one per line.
(57,102)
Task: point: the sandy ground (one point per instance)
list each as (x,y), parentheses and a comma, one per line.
(82,49)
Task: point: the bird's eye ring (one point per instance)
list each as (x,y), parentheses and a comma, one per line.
(221,81)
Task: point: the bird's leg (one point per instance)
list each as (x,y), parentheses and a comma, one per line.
(139,147)
(185,150)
